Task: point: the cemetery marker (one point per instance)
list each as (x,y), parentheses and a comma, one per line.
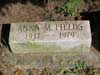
(51,36)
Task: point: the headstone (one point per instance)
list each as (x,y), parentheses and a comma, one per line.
(50,37)
(53,44)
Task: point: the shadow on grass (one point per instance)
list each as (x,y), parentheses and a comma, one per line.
(94,18)
(34,2)
(5,32)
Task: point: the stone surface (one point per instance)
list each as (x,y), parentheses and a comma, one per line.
(58,36)
(25,56)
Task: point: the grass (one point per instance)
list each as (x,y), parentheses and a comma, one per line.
(81,68)
(70,7)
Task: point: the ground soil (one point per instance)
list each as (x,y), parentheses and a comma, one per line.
(28,12)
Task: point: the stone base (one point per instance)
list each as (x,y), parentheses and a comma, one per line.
(56,60)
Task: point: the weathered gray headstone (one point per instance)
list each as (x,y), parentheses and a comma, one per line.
(50,37)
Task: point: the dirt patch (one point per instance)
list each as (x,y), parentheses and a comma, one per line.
(29,12)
